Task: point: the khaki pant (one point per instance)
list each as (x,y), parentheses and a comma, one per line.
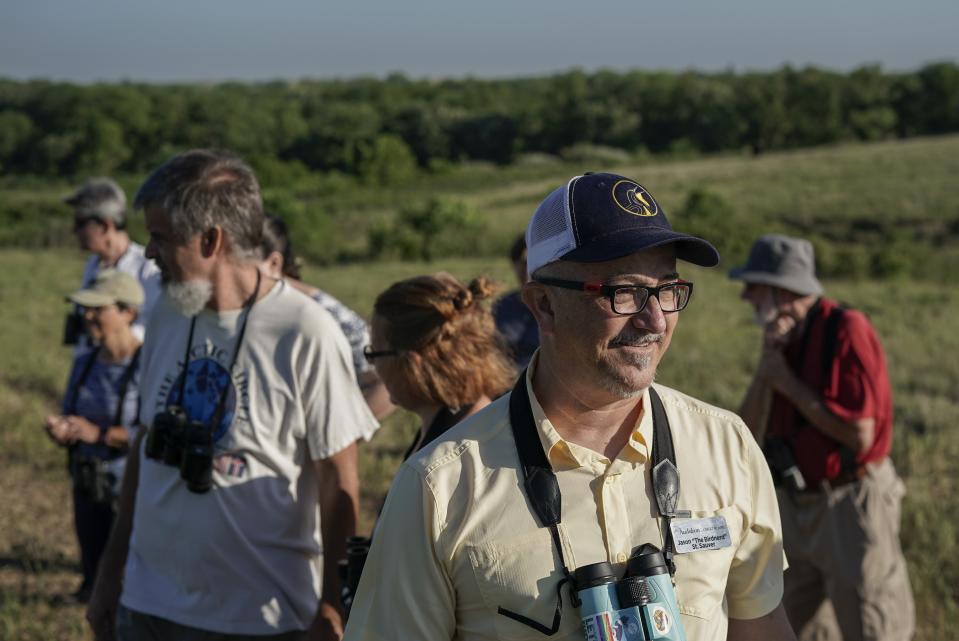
(847,576)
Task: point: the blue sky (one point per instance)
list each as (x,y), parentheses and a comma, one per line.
(210,40)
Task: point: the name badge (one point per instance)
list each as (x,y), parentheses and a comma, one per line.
(694,535)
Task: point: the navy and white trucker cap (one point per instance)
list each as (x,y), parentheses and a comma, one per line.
(600,217)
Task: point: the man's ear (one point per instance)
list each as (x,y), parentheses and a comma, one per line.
(212,241)
(537,299)
(275,264)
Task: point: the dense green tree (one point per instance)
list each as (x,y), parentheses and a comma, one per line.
(867,110)
(360,126)
(16,130)
(762,107)
(386,160)
(490,137)
(813,107)
(939,98)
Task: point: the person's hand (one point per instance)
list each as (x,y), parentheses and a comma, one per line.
(58,429)
(777,332)
(328,624)
(102,607)
(80,429)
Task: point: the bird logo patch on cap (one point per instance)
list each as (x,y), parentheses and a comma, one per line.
(634,199)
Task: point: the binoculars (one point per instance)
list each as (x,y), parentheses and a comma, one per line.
(782,464)
(177,441)
(350,568)
(73,328)
(640,606)
(92,478)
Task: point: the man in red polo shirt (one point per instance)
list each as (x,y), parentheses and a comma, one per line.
(821,404)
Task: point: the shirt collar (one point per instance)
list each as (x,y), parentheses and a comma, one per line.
(565,455)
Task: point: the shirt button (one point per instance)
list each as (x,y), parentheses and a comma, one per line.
(621,557)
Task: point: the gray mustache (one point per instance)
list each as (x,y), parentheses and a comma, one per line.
(635,341)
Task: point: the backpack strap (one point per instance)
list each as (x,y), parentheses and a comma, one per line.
(847,457)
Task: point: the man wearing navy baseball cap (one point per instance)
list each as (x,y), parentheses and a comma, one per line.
(485,532)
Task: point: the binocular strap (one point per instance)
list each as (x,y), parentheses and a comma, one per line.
(221,403)
(542,488)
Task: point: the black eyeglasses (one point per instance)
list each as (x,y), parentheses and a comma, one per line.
(371,354)
(631,299)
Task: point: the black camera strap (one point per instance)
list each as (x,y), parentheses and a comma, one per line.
(221,403)
(124,384)
(94,354)
(542,488)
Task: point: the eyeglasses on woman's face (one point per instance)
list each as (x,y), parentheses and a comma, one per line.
(371,354)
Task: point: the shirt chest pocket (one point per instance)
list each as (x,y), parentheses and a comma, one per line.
(521,574)
(701,575)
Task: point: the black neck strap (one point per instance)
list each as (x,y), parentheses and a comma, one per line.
(81,380)
(221,403)
(124,384)
(121,391)
(542,488)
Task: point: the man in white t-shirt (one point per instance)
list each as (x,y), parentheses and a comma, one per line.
(218,535)
(99,222)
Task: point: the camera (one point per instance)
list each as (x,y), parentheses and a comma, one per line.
(73,328)
(177,441)
(782,464)
(164,440)
(92,478)
(640,606)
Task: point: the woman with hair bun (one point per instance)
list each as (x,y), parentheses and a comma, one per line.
(436,349)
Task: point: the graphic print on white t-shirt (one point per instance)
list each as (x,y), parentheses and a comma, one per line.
(207,377)
(246,557)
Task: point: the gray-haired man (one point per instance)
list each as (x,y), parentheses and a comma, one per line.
(232,544)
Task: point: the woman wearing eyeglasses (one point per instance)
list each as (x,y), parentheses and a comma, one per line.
(99,415)
(435,347)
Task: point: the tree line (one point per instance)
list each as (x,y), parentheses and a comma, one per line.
(384,130)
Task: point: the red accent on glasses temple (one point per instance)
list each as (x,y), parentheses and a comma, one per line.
(592,287)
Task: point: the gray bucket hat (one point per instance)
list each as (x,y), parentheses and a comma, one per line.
(781,261)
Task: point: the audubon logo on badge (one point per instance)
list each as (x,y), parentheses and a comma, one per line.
(634,199)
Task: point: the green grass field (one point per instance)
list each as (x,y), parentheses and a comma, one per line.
(711,357)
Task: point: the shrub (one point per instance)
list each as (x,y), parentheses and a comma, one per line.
(387,160)
(708,215)
(598,155)
(440,227)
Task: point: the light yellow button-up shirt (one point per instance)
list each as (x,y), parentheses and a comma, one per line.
(457,538)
